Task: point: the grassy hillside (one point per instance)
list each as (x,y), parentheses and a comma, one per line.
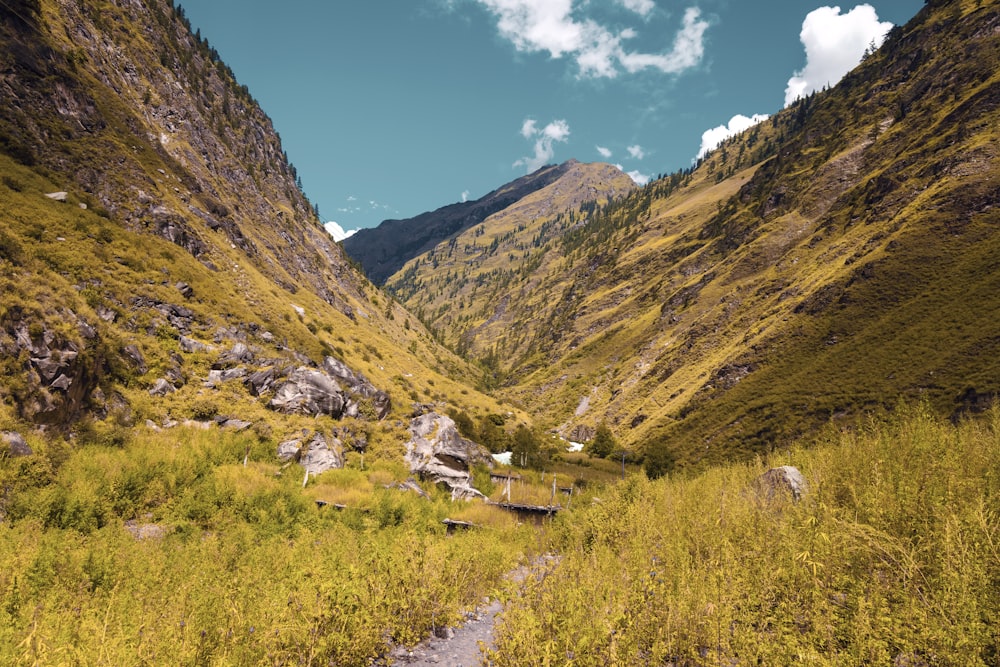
(820,265)
(461,288)
(890,558)
(181,217)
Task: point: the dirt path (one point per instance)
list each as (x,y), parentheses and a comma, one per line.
(463,646)
(454,647)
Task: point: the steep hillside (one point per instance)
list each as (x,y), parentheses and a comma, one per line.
(828,262)
(384,250)
(461,287)
(153,234)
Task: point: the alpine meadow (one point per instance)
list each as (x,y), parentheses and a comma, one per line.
(744,413)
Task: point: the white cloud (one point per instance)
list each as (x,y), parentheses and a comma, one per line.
(710,139)
(637,176)
(337,232)
(556,131)
(605,152)
(636,152)
(550,25)
(641,7)
(834,44)
(465,195)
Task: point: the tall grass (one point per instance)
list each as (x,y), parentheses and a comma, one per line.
(893,557)
(249,571)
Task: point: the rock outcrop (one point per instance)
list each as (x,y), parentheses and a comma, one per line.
(316,456)
(61,367)
(438,453)
(780,481)
(335,390)
(14,444)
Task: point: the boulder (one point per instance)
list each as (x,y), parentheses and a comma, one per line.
(233,423)
(782,480)
(357,384)
(308,392)
(135,358)
(318,456)
(161,388)
(191,345)
(217,377)
(238,354)
(289,449)
(186,290)
(15,444)
(438,453)
(263,380)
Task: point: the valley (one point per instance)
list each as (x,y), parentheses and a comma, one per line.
(227,439)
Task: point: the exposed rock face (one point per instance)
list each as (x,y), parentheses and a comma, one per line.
(308,392)
(358,385)
(782,480)
(161,388)
(61,372)
(289,449)
(14,444)
(437,452)
(336,391)
(320,456)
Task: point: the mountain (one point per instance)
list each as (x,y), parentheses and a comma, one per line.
(828,263)
(461,287)
(384,250)
(154,238)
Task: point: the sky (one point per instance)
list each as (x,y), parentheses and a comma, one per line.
(389,108)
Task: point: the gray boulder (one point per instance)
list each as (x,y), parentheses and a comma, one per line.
(319,456)
(438,453)
(289,449)
(161,388)
(238,354)
(192,345)
(15,444)
(780,481)
(217,377)
(308,392)
(359,386)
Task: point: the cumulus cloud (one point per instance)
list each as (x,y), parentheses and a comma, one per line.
(636,152)
(337,232)
(637,176)
(545,138)
(552,26)
(710,139)
(834,44)
(605,152)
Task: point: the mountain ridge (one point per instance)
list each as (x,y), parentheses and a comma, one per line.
(702,313)
(385,249)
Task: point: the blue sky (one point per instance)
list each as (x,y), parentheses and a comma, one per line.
(389,108)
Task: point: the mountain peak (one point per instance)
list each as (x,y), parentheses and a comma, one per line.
(384,250)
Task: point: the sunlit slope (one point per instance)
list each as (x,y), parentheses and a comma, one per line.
(178,198)
(830,261)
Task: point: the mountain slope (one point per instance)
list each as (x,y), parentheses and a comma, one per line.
(473,270)
(384,250)
(179,220)
(826,263)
